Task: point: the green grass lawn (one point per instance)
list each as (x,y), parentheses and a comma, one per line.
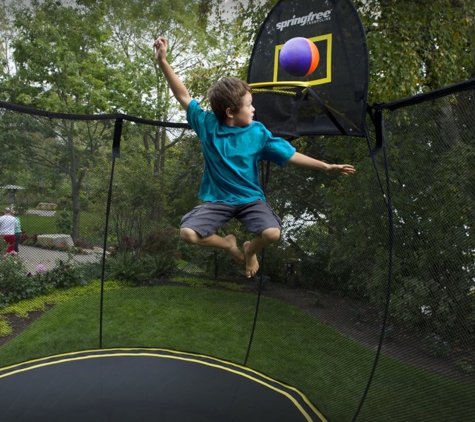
(35,224)
(90,226)
(289,346)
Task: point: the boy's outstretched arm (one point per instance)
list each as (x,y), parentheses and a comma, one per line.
(301,160)
(176,85)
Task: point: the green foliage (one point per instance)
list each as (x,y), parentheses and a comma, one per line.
(16,284)
(414,48)
(5,328)
(64,222)
(147,262)
(274,266)
(69,67)
(56,296)
(65,275)
(139,269)
(139,206)
(124,266)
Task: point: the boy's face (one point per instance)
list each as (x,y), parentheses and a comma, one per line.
(245,114)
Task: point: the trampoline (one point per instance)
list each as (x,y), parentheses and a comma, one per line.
(146,385)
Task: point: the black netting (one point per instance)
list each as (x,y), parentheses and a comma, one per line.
(389,249)
(278,109)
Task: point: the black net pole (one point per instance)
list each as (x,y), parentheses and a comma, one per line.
(115,154)
(381,142)
(265,180)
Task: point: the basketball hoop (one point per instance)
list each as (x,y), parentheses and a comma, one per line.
(332,98)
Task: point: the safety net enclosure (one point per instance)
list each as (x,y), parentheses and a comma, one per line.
(363,311)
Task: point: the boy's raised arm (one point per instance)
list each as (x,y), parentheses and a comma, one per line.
(176,85)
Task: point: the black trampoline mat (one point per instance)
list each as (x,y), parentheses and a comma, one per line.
(145,385)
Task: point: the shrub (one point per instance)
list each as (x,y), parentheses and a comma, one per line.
(139,269)
(64,222)
(157,266)
(124,266)
(12,277)
(161,241)
(66,274)
(143,263)
(16,284)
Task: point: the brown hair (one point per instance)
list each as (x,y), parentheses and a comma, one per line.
(227,93)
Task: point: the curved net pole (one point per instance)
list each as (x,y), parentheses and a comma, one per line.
(265,180)
(387,200)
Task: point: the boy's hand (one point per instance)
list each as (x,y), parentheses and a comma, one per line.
(174,82)
(160,45)
(340,169)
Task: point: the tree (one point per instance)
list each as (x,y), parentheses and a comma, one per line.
(92,58)
(63,65)
(417,48)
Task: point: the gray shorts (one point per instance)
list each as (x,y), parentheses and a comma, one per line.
(207,218)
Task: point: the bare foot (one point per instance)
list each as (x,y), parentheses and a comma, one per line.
(234,250)
(252,264)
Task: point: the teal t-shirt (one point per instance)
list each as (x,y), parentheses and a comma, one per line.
(232,155)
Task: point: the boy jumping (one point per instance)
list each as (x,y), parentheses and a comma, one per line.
(233,144)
